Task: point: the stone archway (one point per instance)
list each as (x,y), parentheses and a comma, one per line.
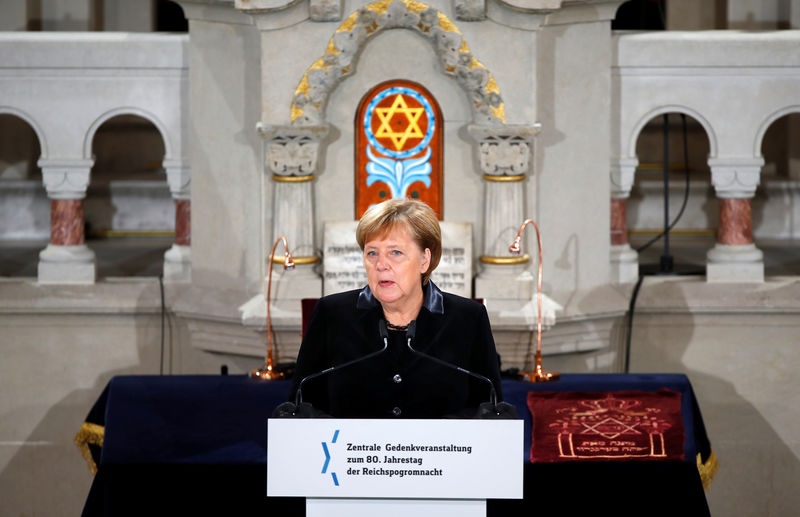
(341,58)
(661,110)
(102,119)
(177,259)
(8,110)
(768,121)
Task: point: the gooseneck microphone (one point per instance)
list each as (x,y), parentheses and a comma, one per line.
(384,335)
(411,333)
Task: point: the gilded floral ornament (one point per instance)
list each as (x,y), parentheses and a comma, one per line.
(340,58)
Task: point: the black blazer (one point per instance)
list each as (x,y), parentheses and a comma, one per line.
(396,383)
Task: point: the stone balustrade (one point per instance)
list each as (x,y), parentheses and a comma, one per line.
(735,85)
(65,86)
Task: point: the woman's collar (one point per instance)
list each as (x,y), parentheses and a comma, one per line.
(433,299)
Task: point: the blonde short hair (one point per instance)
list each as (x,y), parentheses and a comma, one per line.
(415,216)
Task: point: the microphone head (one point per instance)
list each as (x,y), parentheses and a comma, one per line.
(412,329)
(382,329)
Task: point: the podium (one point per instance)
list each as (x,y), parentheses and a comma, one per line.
(366,467)
(197,444)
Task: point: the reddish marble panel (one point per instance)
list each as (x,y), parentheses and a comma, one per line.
(735,222)
(66,222)
(183,222)
(619,222)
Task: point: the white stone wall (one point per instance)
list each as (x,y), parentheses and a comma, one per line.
(60,346)
(574,65)
(24,210)
(229,216)
(738,347)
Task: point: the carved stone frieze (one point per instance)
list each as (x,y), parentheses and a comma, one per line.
(507,155)
(454,55)
(735,178)
(326,10)
(470,10)
(66,179)
(178,178)
(504,150)
(622,173)
(292,151)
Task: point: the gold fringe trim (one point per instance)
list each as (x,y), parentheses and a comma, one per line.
(89,434)
(708,469)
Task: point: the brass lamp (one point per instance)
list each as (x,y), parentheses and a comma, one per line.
(531,373)
(269,372)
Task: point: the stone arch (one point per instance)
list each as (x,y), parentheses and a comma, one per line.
(87,144)
(8,110)
(762,129)
(341,56)
(637,128)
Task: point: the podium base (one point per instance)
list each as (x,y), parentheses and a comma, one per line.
(329,507)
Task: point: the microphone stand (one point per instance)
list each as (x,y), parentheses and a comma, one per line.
(269,372)
(538,374)
(298,399)
(412,331)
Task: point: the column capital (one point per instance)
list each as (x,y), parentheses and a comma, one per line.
(325,10)
(622,174)
(470,10)
(735,178)
(504,150)
(292,150)
(179,179)
(66,179)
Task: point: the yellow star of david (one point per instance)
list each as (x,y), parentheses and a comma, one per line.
(411,130)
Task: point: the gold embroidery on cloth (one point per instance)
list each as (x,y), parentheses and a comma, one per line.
(708,469)
(89,434)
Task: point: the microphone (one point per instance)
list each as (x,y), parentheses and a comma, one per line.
(502,410)
(384,335)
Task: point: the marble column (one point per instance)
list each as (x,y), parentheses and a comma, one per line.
(505,153)
(619,223)
(291,158)
(178,258)
(66,259)
(735,257)
(624,260)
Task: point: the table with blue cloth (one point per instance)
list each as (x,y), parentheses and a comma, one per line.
(197,444)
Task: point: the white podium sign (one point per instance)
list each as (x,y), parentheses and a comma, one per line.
(395,459)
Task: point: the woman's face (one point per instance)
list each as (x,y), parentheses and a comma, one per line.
(394,264)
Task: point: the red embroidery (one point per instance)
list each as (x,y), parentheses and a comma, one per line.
(609,426)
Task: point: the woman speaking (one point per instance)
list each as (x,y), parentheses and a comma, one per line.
(401,243)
